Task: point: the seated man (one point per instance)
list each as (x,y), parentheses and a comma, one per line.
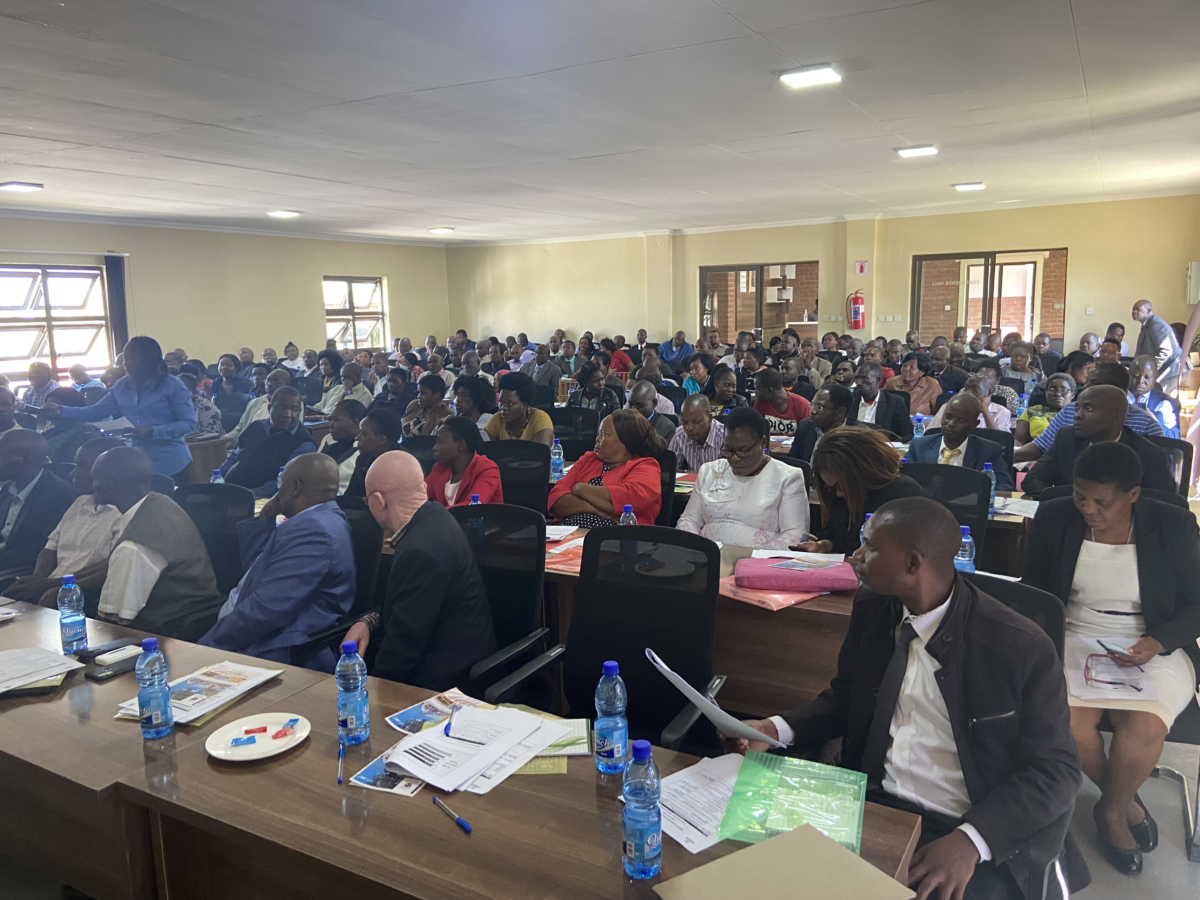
(699,438)
(951,379)
(644,399)
(653,375)
(878,409)
(789,369)
(32,501)
(1145,394)
(435,622)
(8,406)
(994,416)
(958,444)
(830,409)
(80,544)
(953,705)
(302,579)
(351,388)
(266,447)
(160,579)
(783,410)
(542,369)
(257,409)
(1100,416)
(80,378)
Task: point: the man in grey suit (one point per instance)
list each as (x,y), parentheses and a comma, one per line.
(812,367)
(542,369)
(1157,339)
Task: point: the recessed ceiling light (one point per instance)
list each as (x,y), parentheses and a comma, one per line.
(21,187)
(918,150)
(970,186)
(283,214)
(810,75)
(442,230)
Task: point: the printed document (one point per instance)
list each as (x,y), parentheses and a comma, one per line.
(1093,675)
(694,800)
(548,732)
(207,690)
(29,664)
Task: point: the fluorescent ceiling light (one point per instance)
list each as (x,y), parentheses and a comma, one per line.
(283,214)
(810,75)
(970,186)
(918,150)
(21,187)
(442,230)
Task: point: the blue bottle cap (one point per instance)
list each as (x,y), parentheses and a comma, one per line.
(611,668)
(966,530)
(474,498)
(349,647)
(216,471)
(556,440)
(641,749)
(149,645)
(68,581)
(987,467)
(628,507)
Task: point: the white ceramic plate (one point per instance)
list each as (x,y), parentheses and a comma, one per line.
(220,743)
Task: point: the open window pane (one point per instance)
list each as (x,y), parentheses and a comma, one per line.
(336,294)
(75,293)
(366,296)
(20,293)
(20,344)
(346,299)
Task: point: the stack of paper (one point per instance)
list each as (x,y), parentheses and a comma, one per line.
(1015,506)
(30,664)
(206,692)
(558,532)
(817,560)
(1100,678)
(433,711)
(693,801)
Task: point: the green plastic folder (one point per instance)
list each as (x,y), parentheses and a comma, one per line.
(774,794)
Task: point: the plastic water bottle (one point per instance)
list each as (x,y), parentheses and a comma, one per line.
(556,461)
(918,426)
(154,694)
(964,559)
(862,531)
(453,408)
(354,716)
(987,470)
(72,624)
(217,477)
(1022,404)
(475,531)
(279,479)
(612,729)
(629,549)
(641,819)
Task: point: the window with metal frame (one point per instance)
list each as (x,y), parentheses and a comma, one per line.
(354,311)
(53,314)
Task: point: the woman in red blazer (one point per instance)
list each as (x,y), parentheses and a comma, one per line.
(460,471)
(623,469)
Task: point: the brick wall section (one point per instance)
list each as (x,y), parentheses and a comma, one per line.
(1054,294)
(804,297)
(723,284)
(939,289)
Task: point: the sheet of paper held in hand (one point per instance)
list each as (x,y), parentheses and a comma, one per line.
(723,721)
(207,690)
(1108,680)
(29,664)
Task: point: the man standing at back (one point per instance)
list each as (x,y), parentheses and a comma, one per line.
(1157,339)
(302,578)
(160,578)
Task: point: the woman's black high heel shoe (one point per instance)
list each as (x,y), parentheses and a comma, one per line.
(1144,832)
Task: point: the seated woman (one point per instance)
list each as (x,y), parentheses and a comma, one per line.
(592,392)
(1077,364)
(398,392)
(699,367)
(461,470)
(342,440)
(1060,388)
(229,379)
(856,471)
(330,363)
(722,390)
(623,469)
(208,417)
(619,360)
(1128,570)
(746,497)
(429,410)
(518,419)
(1023,364)
(474,400)
(378,432)
(914,380)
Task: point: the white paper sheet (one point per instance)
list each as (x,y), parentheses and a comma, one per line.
(29,664)
(816,560)
(1076,652)
(578,542)
(723,721)
(204,690)
(694,800)
(558,532)
(548,733)
(115,425)
(1015,506)
(574,743)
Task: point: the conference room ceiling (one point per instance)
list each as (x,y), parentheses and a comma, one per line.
(537,119)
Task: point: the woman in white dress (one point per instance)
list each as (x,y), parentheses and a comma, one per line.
(1128,570)
(746,497)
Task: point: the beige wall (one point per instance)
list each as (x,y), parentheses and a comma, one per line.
(212,292)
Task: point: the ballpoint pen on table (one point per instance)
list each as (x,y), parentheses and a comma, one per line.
(341,759)
(458,820)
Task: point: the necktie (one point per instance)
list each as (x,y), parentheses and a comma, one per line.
(879,735)
(948,454)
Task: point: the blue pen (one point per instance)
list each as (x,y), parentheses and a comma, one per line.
(458,820)
(341,758)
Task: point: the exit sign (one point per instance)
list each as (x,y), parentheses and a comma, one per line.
(861,266)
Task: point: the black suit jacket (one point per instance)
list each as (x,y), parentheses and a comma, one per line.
(805,440)
(1057,465)
(1002,682)
(951,379)
(1168,562)
(892,414)
(436,618)
(39,515)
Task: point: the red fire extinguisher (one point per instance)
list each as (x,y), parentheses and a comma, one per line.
(856,311)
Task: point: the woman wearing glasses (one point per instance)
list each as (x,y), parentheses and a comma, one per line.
(1128,570)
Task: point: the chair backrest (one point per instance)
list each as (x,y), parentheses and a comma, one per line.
(668,462)
(903,395)
(367,539)
(795,463)
(216,509)
(231,406)
(942,399)
(1003,438)
(1037,605)
(26,420)
(313,388)
(1179,454)
(1017,384)
(1066,490)
(421,446)
(576,428)
(93,395)
(544,396)
(509,543)
(212,371)
(162,484)
(964,492)
(675,394)
(524,471)
(65,471)
(642,586)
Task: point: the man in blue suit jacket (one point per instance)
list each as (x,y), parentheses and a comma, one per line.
(302,581)
(958,446)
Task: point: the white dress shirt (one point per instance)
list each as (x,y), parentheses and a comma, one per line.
(84,536)
(956,459)
(133,571)
(866,410)
(922,764)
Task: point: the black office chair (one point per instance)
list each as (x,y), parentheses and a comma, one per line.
(212,371)
(675,394)
(668,462)
(421,446)
(905,396)
(942,400)
(964,492)
(575,428)
(1179,454)
(1040,607)
(640,586)
(93,395)
(509,543)
(162,484)
(312,387)
(65,471)
(1003,438)
(524,471)
(216,509)
(26,420)
(1066,490)
(231,406)
(1017,384)
(544,397)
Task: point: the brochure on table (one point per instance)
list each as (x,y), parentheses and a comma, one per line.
(207,690)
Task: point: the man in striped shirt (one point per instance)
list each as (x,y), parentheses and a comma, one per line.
(699,439)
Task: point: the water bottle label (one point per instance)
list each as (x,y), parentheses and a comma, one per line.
(642,849)
(74,631)
(611,746)
(150,717)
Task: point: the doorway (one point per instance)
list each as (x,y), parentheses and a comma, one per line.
(761,298)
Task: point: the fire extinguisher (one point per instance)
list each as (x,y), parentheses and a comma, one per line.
(856,311)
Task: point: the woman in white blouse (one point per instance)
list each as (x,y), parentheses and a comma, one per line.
(746,497)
